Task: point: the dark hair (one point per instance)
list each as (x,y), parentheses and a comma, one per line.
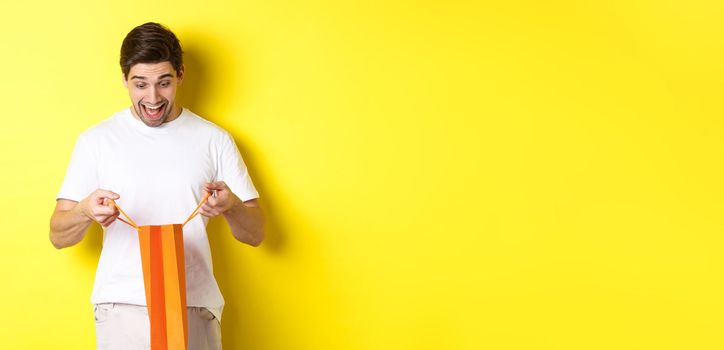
(150,43)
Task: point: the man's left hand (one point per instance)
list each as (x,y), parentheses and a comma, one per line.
(221,202)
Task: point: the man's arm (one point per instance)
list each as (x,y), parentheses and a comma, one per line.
(245,219)
(71,219)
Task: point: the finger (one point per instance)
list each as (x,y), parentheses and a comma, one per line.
(210,211)
(209,187)
(205,213)
(105,221)
(107,194)
(208,191)
(215,186)
(109,203)
(101,210)
(206,208)
(97,200)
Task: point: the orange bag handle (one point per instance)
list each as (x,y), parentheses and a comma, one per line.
(133,224)
(196,211)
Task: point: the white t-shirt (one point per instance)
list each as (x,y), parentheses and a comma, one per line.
(159,173)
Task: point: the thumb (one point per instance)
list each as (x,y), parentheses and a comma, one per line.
(108,194)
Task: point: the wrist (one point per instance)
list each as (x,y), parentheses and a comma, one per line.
(236,207)
(79,209)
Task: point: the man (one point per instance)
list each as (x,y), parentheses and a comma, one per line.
(157,160)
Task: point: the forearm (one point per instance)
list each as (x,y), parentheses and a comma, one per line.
(246,223)
(68,227)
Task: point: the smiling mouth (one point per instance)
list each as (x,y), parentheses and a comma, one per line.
(153,112)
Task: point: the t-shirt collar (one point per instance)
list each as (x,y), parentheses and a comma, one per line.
(164,128)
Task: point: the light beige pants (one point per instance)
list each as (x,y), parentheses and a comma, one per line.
(127,327)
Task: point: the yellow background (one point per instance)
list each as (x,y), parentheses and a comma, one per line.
(437,174)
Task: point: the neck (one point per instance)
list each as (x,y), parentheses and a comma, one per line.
(175,113)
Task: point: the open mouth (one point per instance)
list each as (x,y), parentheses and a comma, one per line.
(153,112)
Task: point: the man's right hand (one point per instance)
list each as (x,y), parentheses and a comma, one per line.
(71,219)
(98,207)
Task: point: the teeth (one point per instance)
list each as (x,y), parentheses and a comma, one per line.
(149,107)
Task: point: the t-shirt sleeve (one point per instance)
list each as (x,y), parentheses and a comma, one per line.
(81,178)
(233,171)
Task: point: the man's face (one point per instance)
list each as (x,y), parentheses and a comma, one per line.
(152,88)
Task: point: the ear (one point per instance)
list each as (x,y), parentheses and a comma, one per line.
(180,74)
(125,82)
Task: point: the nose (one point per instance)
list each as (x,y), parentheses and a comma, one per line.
(153,96)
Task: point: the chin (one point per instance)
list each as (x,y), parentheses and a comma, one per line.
(152,123)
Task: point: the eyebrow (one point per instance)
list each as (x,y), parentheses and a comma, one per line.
(167,75)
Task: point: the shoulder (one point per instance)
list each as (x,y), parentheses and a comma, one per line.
(205,127)
(104,129)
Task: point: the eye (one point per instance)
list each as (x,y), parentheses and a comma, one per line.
(165,84)
(140,86)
